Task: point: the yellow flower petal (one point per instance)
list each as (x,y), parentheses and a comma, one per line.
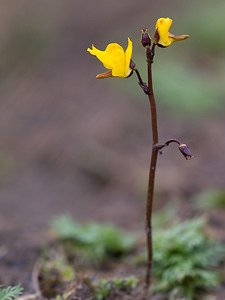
(114,58)
(101,55)
(165,38)
(128,55)
(163,25)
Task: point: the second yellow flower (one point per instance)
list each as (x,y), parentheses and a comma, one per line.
(115,59)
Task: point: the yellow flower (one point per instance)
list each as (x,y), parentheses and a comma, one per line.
(166,38)
(115,59)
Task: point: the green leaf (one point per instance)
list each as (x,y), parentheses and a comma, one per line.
(10,292)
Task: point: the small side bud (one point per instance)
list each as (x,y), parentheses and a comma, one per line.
(185,151)
(145,38)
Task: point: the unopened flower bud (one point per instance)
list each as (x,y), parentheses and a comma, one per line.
(185,151)
(145,38)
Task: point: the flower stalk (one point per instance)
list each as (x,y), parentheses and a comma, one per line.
(151,181)
(148,89)
(120,64)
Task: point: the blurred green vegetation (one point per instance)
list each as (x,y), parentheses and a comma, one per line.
(55,273)
(93,241)
(212,198)
(188,76)
(104,287)
(7,164)
(166,215)
(185,260)
(60,266)
(25,47)
(206,24)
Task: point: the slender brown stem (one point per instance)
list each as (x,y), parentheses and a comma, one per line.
(151,181)
(148,89)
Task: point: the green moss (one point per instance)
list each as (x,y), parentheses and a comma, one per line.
(185,260)
(105,286)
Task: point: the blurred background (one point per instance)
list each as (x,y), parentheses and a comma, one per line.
(71,144)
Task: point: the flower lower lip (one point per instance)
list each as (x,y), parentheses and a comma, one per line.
(105,75)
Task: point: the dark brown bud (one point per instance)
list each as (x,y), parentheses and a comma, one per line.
(145,38)
(185,151)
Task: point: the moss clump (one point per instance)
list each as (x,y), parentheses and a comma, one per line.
(185,259)
(93,241)
(115,285)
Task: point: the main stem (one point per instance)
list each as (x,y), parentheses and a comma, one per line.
(151,177)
